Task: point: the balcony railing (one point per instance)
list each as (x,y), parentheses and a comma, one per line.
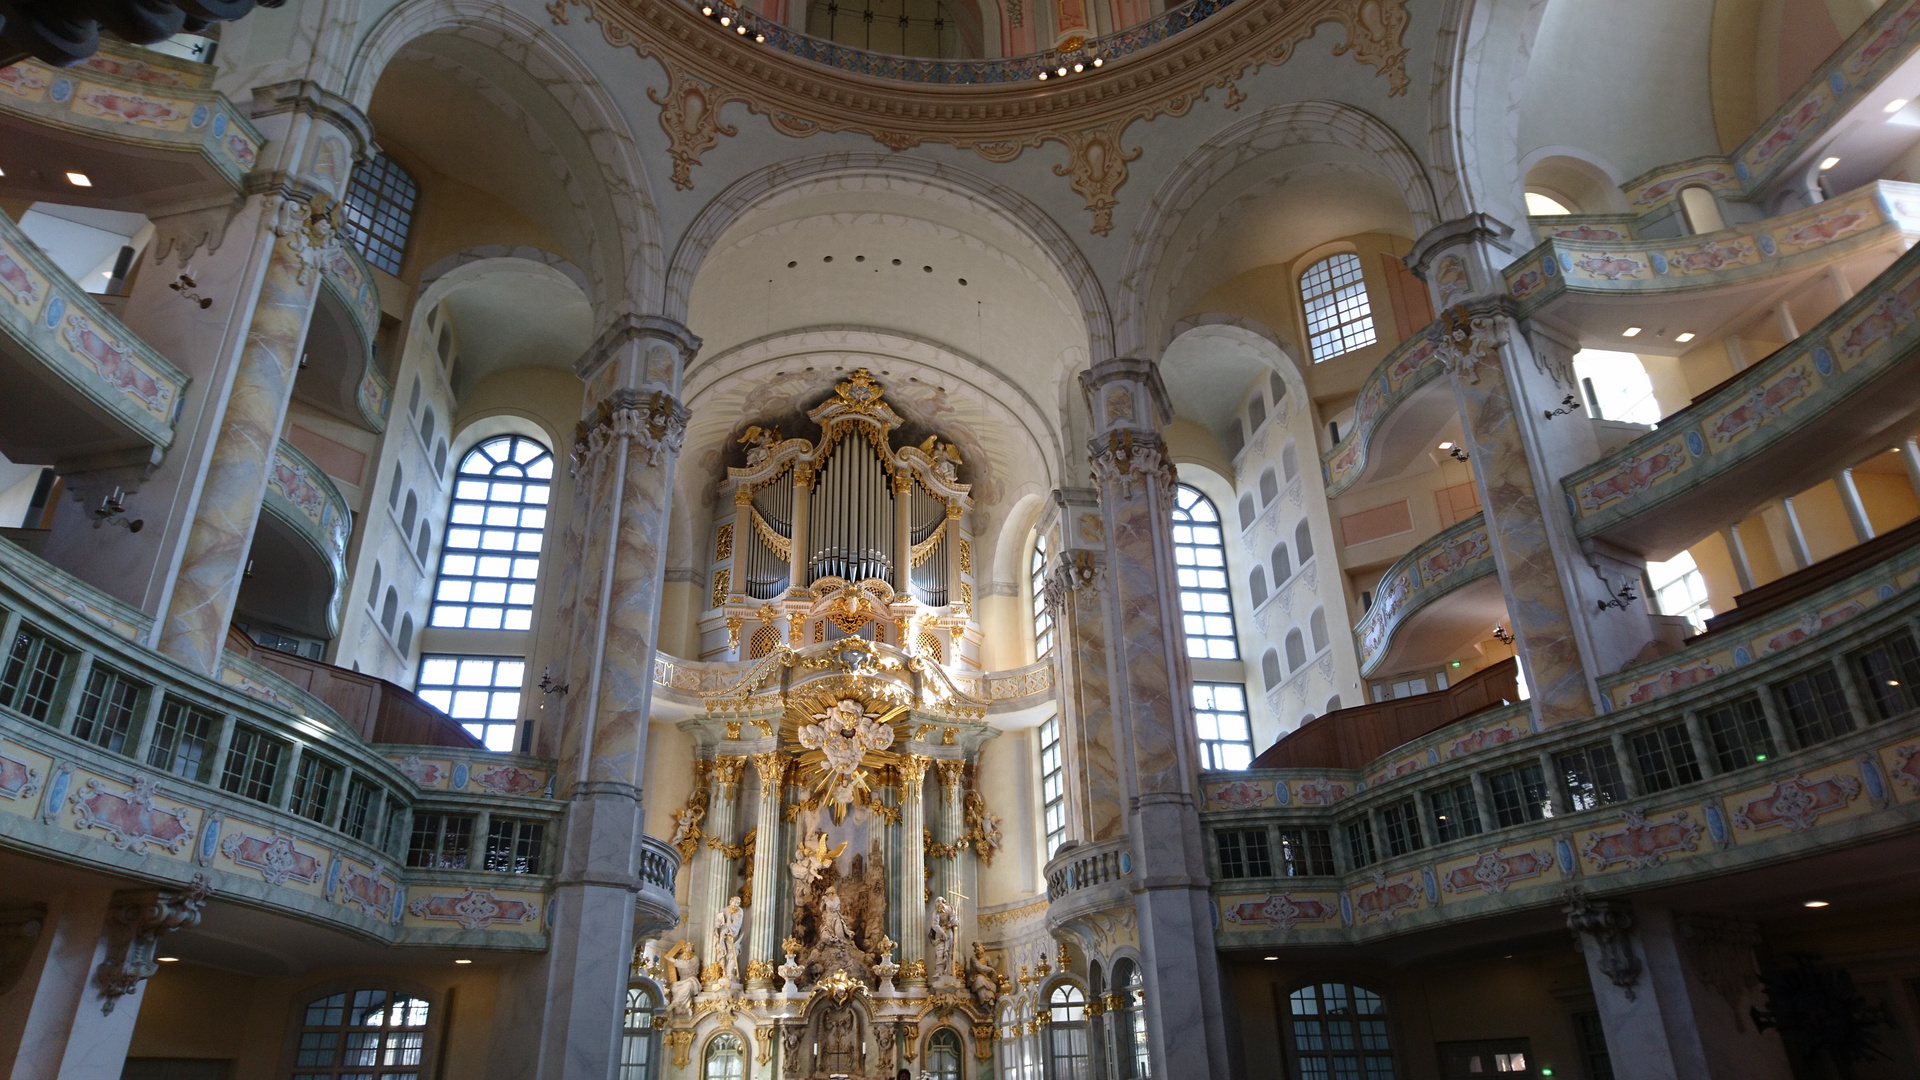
(1412,364)
(1087,866)
(1456,557)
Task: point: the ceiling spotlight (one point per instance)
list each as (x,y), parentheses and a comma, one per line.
(1828,163)
(1815,903)
(742,28)
(706,9)
(1894,106)
(1097,61)
(1269,958)
(1043,76)
(79,179)
(1630,331)
(726,20)
(168,959)
(759,39)
(1062,71)
(1683,338)
(463,961)
(1079,67)
(1446,446)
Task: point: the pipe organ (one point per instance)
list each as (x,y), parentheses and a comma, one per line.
(852,528)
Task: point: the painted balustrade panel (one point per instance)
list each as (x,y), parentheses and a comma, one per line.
(1874,213)
(351,282)
(476,772)
(59,324)
(1867,338)
(1461,554)
(1412,364)
(143,99)
(300,493)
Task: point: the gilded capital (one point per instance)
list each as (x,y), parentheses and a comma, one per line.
(913,771)
(951,773)
(770,767)
(726,772)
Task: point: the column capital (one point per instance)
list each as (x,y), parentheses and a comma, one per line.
(656,423)
(135,920)
(770,767)
(1126,394)
(1472,230)
(1608,923)
(951,773)
(913,771)
(637,352)
(726,771)
(1123,460)
(304,97)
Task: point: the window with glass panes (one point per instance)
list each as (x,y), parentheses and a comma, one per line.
(1401,824)
(1739,733)
(1360,849)
(1200,552)
(1519,795)
(726,1058)
(440,841)
(107,707)
(1591,776)
(481,692)
(1226,732)
(1665,757)
(943,1056)
(1455,813)
(314,781)
(1339,318)
(357,817)
(1816,707)
(1339,1031)
(1067,1033)
(513,845)
(636,1036)
(1679,589)
(1891,671)
(181,739)
(1244,853)
(372,1034)
(32,675)
(490,560)
(1053,785)
(379,211)
(253,765)
(1042,618)
(1306,852)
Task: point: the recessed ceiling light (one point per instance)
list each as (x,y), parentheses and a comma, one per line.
(1097,61)
(168,959)
(463,961)
(79,179)
(1270,958)
(1446,446)
(1630,331)
(1684,337)
(1815,903)
(1043,76)
(1894,106)
(1828,163)
(726,20)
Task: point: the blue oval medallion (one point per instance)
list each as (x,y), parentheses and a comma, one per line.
(199,117)
(1767,246)
(460,776)
(1346,910)
(1280,795)
(1566,262)
(57,791)
(1433,887)
(1551,266)
(62,90)
(1659,262)
(1433,755)
(1716,823)
(1564,851)
(1871,779)
(333,878)
(1126,862)
(56,307)
(1740,170)
(1696,445)
(1823,360)
(220,125)
(209,839)
(1741,657)
(1838,82)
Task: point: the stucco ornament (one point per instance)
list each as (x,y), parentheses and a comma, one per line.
(311,230)
(844,733)
(1607,923)
(1467,340)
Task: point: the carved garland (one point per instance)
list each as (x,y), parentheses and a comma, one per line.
(706,70)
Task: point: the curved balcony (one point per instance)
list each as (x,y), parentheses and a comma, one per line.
(156,786)
(1820,403)
(149,130)
(1702,282)
(86,393)
(1768,815)
(1400,410)
(1404,630)
(655,908)
(299,552)
(1087,879)
(338,375)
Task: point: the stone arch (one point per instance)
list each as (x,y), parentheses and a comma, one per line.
(1019,212)
(1268,130)
(636,267)
(1479,41)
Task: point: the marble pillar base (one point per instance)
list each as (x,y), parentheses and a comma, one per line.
(53,1024)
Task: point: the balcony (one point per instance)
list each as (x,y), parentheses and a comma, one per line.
(1088,879)
(1404,630)
(1823,402)
(1401,409)
(299,554)
(116,759)
(148,130)
(84,392)
(338,374)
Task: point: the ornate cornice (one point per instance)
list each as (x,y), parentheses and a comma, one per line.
(1123,460)
(655,423)
(708,67)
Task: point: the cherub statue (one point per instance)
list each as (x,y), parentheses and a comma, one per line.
(813,858)
(686,830)
(983,981)
(983,827)
(759,442)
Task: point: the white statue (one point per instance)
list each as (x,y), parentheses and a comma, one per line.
(983,982)
(686,978)
(833,924)
(759,442)
(724,945)
(812,860)
(945,925)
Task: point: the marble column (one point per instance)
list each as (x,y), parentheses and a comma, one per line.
(1856,510)
(1074,591)
(626,447)
(950,826)
(764,947)
(1673,992)
(73,1013)
(1152,720)
(913,870)
(713,865)
(1511,383)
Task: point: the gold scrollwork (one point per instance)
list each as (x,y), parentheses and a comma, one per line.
(723,542)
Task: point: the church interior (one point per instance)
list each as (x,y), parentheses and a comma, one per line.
(965,539)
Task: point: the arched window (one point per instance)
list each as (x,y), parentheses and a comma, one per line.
(1270,668)
(1067,1034)
(379,211)
(410,512)
(1317,626)
(426,428)
(1303,542)
(372,1034)
(482,692)
(491,557)
(440,459)
(405,640)
(1220,719)
(638,1049)
(1200,555)
(725,1059)
(1278,386)
(1256,412)
(1269,486)
(943,1056)
(1247,511)
(399,477)
(1296,650)
(1333,703)
(1289,461)
(1339,1030)
(389,609)
(1701,209)
(1053,785)
(1282,566)
(413,400)
(425,544)
(1257,585)
(1042,618)
(1128,1024)
(373,594)
(1339,319)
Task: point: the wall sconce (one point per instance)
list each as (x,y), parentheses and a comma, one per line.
(185,286)
(112,511)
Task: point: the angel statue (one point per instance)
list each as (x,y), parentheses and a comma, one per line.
(813,858)
(983,982)
(833,923)
(944,456)
(759,442)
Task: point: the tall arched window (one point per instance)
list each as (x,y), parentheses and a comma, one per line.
(637,1039)
(1247,511)
(1339,1030)
(1303,542)
(1269,485)
(1270,668)
(1067,1034)
(379,211)
(1282,566)
(1317,626)
(1257,586)
(1296,649)
(725,1059)
(943,1056)
(1290,461)
(1042,618)
(1339,319)
(372,1034)
(1200,552)
(491,558)
(1128,1024)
